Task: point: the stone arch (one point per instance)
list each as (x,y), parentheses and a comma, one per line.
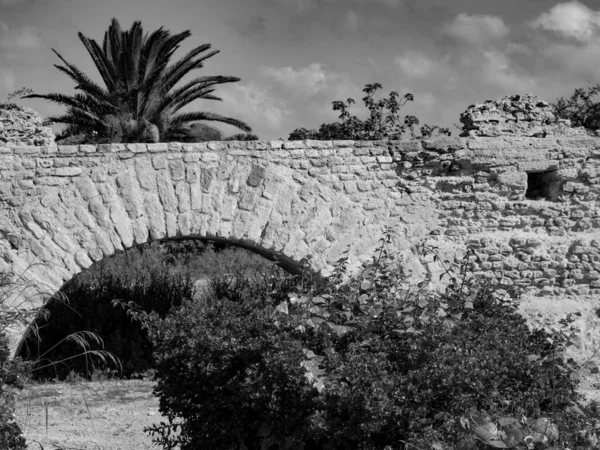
(69,206)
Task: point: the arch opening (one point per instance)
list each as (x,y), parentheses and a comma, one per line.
(156,275)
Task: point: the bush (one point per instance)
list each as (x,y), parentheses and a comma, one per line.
(13,371)
(365,364)
(154,277)
(242,137)
(383,123)
(580,109)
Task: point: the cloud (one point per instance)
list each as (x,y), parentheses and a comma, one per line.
(306,80)
(7,80)
(25,38)
(498,71)
(352,21)
(254,27)
(302,6)
(476,30)
(254,105)
(414,64)
(12,2)
(570,20)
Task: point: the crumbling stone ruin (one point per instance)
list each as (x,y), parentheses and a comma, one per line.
(516,115)
(22,126)
(527,203)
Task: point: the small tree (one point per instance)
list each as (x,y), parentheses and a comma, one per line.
(580,109)
(242,137)
(384,120)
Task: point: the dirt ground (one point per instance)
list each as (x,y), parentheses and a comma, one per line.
(110,415)
(101,415)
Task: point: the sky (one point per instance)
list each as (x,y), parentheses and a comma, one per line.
(295,57)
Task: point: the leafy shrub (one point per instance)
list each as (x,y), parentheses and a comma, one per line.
(154,277)
(13,371)
(580,109)
(384,121)
(242,137)
(366,364)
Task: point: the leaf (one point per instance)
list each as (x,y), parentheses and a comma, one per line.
(319,385)
(422,302)
(513,437)
(488,433)
(464,422)
(532,358)
(504,421)
(264,430)
(544,426)
(467,443)
(375,311)
(282,308)
(340,330)
(309,323)
(468,305)
(576,409)
(366,285)
(308,353)
(318,300)
(448,324)
(437,446)
(441,313)
(408,309)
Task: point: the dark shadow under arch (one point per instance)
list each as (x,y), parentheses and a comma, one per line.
(287,264)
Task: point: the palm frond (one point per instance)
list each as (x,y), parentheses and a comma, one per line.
(197,115)
(193,90)
(105,67)
(80,78)
(179,69)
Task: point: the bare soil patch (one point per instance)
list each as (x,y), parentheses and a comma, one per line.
(100,415)
(111,415)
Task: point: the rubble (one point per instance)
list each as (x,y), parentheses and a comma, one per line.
(516,115)
(21,126)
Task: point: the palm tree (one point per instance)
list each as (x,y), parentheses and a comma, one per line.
(140,101)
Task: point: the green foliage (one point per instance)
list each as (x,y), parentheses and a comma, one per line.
(13,371)
(145,275)
(140,101)
(580,109)
(365,363)
(384,121)
(154,277)
(242,137)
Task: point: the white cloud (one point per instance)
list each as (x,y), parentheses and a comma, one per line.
(7,80)
(11,2)
(477,30)
(414,64)
(571,20)
(21,39)
(497,70)
(254,105)
(307,5)
(392,3)
(352,21)
(307,80)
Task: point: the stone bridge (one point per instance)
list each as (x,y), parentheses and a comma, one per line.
(528,206)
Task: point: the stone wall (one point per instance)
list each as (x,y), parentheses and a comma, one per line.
(22,126)
(528,206)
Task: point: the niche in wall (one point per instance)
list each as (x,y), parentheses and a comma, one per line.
(542,185)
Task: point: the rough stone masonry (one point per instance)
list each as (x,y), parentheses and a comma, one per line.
(520,189)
